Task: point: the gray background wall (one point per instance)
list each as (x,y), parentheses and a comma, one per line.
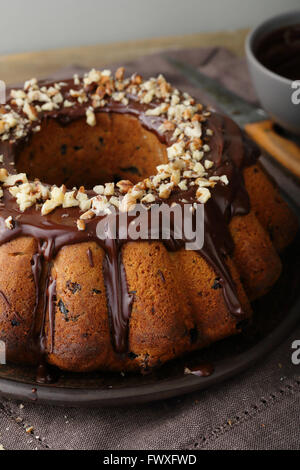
(43,24)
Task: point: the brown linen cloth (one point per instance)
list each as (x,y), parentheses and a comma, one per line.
(259,409)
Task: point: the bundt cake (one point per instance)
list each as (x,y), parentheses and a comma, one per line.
(81,302)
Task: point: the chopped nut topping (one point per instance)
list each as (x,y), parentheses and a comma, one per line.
(224,179)
(88,215)
(120,73)
(203,194)
(11,180)
(90,117)
(84,201)
(3,175)
(183,185)
(80,224)
(124,186)
(109,189)
(30,111)
(28,194)
(165,190)
(175,112)
(9,223)
(161,109)
(148,198)
(70,200)
(208,164)
(68,104)
(128,202)
(57,196)
(76,79)
(136,79)
(99,189)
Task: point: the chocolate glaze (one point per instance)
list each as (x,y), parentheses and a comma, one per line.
(230,153)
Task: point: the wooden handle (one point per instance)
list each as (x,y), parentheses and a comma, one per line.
(283,150)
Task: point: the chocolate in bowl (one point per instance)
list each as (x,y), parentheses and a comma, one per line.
(279,51)
(273,56)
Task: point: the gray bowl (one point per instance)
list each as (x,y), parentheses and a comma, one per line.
(274,92)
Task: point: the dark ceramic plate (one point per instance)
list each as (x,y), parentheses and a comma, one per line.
(275,316)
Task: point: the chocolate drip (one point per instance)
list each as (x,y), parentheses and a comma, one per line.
(218,245)
(90,257)
(43,374)
(230,152)
(119,299)
(48,306)
(51,295)
(36,267)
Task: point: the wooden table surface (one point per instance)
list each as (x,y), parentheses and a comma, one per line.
(17,68)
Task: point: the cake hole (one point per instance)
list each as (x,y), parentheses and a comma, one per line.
(76,154)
